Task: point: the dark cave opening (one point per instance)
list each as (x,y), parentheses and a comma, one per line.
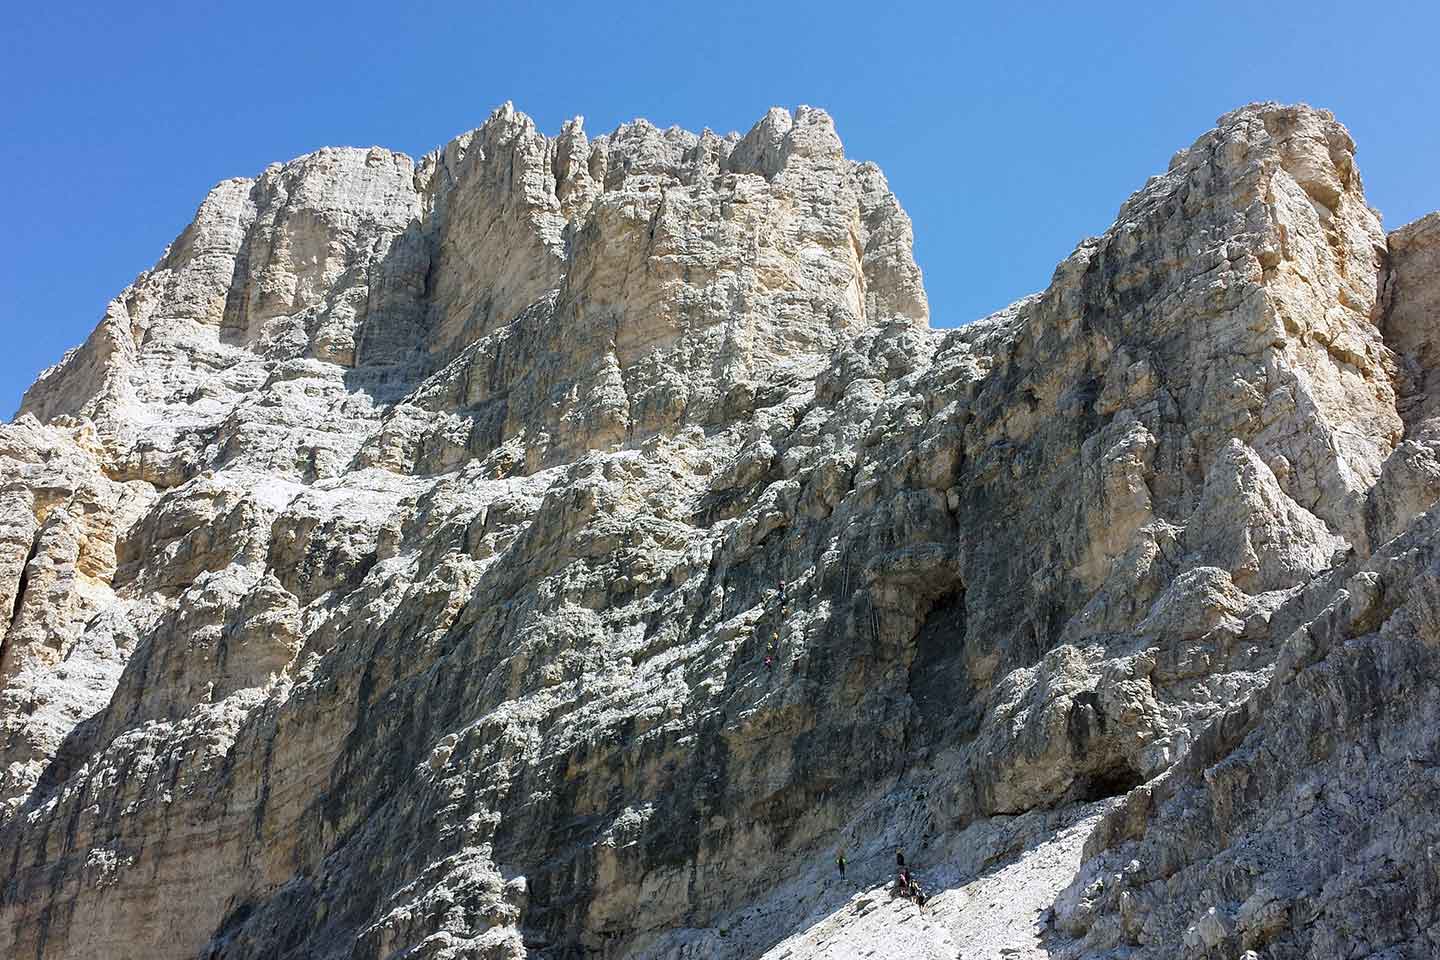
(1113,781)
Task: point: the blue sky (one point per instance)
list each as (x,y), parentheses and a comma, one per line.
(1009,131)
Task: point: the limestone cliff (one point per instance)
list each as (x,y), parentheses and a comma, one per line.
(396,570)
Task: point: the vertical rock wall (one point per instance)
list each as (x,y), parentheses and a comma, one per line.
(396,570)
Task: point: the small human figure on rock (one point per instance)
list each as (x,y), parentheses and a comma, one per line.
(840,862)
(902,884)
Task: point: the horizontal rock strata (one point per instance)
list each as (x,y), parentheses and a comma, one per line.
(559,546)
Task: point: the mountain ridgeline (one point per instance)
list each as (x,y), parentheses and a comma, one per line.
(396,571)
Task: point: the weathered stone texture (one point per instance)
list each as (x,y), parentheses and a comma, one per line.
(396,569)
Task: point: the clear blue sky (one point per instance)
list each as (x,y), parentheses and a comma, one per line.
(1009,130)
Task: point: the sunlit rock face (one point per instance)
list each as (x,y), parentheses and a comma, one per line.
(397,569)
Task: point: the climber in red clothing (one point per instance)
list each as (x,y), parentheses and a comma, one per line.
(902,884)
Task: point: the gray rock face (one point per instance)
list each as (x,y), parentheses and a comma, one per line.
(397,570)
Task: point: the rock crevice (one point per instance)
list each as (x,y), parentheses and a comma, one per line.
(397,569)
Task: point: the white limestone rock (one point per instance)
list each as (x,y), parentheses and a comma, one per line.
(396,569)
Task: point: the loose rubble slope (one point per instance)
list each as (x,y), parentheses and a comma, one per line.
(396,570)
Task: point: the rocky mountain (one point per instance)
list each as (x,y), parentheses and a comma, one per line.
(561,547)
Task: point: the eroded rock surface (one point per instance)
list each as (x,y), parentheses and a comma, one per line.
(397,570)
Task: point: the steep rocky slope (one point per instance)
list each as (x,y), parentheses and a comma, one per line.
(396,570)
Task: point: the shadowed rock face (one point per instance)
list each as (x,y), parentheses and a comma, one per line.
(396,569)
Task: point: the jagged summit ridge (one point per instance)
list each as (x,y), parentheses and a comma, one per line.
(395,570)
(587,264)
